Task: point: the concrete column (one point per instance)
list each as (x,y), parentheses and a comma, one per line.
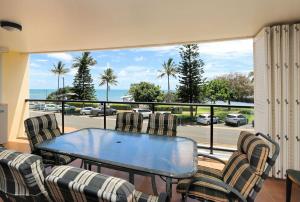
(14,89)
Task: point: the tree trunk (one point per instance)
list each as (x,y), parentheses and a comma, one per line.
(168,96)
(107,91)
(57,87)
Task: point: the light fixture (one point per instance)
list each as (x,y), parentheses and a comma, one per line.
(10,26)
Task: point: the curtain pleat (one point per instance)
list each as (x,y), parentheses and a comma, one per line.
(282,69)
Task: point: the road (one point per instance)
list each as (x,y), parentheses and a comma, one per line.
(224,136)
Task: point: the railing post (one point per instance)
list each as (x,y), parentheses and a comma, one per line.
(153,108)
(63,116)
(211,129)
(104,107)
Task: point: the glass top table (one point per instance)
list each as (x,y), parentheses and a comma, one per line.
(171,157)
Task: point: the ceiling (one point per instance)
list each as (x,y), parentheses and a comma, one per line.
(66,25)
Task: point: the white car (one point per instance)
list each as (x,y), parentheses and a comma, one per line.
(144,112)
(205,119)
(236,119)
(51,107)
(86,111)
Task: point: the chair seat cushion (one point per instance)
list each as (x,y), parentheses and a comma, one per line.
(49,158)
(204,190)
(66,183)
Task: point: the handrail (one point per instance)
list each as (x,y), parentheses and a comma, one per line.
(152,104)
(145,103)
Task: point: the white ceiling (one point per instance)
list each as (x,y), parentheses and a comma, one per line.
(65,25)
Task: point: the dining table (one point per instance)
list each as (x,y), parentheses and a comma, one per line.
(164,156)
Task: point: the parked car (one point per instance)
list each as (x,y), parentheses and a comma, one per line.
(100,111)
(144,112)
(67,107)
(205,119)
(236,119)
(86,111)
(51,107)
(39,106)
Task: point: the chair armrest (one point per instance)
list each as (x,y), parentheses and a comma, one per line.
(212,157)
(229,188)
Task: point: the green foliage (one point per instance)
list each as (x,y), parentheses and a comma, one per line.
(122,106)
(190,74)
(108,78)
(59,70)
(217,89)
(240,86)
(83,82)
(146,92)
(60,91)
(81,105)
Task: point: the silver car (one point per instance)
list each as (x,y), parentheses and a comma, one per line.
(86,111)
(236,119)
(145,112)
(205,119)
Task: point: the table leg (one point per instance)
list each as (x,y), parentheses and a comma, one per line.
(131,178)
(169,187)
(288,189)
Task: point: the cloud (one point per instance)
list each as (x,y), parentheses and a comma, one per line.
(41,60)
(33,64)
(227,48)
(139,59)
(61,56)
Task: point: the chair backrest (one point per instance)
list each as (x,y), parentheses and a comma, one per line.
(162,124)
(66,183)
(22,176)
(249,165)
(129,122)
(41,128)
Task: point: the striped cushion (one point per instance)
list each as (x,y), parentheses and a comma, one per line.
(66,183)
(162,124)
(202,189)
(256,149)
(239,174)
(22,176)
(41,128)
(142,197)
(129,122)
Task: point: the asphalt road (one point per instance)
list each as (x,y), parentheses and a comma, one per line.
(224,136)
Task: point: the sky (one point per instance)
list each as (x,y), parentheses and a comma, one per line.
(143,64)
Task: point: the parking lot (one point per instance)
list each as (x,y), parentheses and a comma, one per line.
(224,136)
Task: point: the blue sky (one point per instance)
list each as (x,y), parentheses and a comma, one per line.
(143,64)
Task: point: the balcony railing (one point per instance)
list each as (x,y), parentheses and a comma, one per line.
(152,106)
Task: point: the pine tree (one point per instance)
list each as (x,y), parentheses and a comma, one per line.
(83,83)
(190,74)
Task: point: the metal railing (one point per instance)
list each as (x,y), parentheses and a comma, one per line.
(211,146)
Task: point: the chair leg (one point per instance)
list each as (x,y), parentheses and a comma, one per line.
(98,169)
(288,189)
(154,188)
(82,164)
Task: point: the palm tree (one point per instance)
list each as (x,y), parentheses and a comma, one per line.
(59,70)
(169,69)
(108,78)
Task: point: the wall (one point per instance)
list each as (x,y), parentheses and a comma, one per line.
(14,89)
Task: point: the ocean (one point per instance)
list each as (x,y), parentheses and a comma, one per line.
(113,95)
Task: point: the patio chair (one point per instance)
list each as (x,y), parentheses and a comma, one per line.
(162,124)
(41,128)
(243,174)
(129,122)
(21,177)
(66,183)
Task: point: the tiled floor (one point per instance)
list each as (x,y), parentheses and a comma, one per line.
(273,190)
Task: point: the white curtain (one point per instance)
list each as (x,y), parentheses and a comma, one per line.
(281,50)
